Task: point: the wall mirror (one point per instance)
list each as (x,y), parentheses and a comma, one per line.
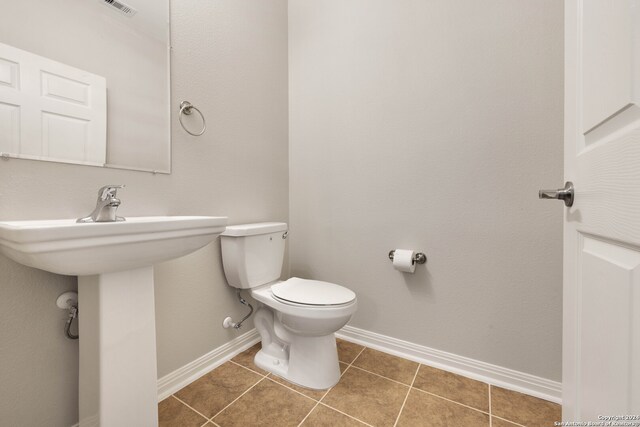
(86,82)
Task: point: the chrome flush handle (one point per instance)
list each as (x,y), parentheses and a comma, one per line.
(567,194)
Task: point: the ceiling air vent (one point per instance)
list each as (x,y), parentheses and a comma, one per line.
(120,7)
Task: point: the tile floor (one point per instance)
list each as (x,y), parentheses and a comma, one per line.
(375,389)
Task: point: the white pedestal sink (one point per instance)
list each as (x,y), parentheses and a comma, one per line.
(118,375)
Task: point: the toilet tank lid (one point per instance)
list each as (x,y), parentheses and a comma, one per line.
(254,229)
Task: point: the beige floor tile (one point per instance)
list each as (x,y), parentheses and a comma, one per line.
(343,367)
(173,413)
(425,410)
(347,351)
(314,394)
(454,387)
(497,422)
(266,404)
(211,393)
(523,409)
(246,358)
(368,397)
(389,366)
(322,416)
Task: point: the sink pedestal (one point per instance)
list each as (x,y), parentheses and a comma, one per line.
(113,262)
(118,369)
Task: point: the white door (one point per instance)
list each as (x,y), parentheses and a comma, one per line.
(601,344)
(50,110)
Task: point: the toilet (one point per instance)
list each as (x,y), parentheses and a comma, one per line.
(296,318)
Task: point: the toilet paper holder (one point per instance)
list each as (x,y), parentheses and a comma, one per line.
(418,258)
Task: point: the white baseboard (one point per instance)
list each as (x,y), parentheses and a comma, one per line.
(475,369)
(190,372)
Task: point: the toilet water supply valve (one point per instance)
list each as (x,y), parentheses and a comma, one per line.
(228,321)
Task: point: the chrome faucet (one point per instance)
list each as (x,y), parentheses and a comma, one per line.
(106,206)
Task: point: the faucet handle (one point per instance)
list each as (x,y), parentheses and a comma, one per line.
(108,191)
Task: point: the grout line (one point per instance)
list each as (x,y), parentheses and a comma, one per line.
(345,370)
(205,423)
(320,402)
(236,399)
(407,396)
(295,391)
(327,392)
(216,425)
(348,364)
(381,376)
(344,413)
(194,410)
(452,401)
(490,416)
(249,369)
(509,421)
(307,416)
(356,358)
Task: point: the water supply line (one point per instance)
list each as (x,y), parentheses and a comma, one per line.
(73,313)
(228,322)
(69,301)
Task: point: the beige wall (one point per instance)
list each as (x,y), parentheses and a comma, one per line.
(229,59)
(431,125)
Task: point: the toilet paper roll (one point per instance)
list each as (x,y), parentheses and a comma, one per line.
(403,260)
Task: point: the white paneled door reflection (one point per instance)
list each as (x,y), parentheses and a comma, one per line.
(49,110)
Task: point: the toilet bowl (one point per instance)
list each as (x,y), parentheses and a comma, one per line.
(296,318)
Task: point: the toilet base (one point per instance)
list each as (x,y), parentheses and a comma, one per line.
(308,361)
(313,362)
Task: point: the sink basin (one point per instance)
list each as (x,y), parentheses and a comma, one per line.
(66,247)
(114,264)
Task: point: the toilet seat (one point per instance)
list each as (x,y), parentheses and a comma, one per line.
(264,295)
(312,293)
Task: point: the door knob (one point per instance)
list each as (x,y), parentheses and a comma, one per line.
(565,194)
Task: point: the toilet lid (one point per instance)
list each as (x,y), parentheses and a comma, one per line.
(312,292)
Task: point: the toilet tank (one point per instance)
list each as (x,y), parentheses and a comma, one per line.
(252,254)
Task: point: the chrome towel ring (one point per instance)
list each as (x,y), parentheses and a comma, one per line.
(187,108)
